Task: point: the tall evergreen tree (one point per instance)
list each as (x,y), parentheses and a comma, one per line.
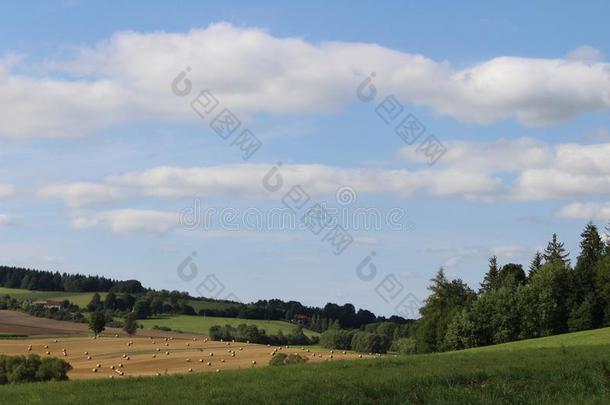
(535,264)
(490,281)
(591,245)
(555,252)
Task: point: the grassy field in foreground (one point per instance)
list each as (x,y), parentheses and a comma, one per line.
(526,375)
(200,324)
(80,299)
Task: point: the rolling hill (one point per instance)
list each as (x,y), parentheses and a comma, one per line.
(201,324)
(566,369)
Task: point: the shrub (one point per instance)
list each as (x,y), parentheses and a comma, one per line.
(366,342)
(283,359)
(404,346)
(20,369)
(337,339)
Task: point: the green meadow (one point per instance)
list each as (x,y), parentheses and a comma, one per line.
(567,369)
(202,324)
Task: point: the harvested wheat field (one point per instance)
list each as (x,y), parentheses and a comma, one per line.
(119,357)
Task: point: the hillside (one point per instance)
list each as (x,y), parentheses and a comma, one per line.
(80,299)
(201,324)
(564,369)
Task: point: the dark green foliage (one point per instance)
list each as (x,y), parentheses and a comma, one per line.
(366,342)
(97,322)
(131,324)
(253,334)
(96,303)
(283,359)
(555,252)
(535,264)
(337,339)
(404,346)
(20,369)
(490,281)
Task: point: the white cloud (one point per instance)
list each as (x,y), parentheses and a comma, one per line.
(128,77)
(128,221)
(575,171)
(7,190)
(5,220)
(81,193)
(586,211)
(585,53)
(510,252)
(246,181)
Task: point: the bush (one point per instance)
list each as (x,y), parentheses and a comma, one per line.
(20,369)
(163,328)
(337,339)
(366,342)
(283,359)
(404,346)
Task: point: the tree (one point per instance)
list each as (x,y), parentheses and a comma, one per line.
(446,300)
(491,277)
(591,252)
(95,304)
(110,301)
(131,324)
(97,322)
(591,245)
(555,252)
(535,264)
(142,309)
(511,276)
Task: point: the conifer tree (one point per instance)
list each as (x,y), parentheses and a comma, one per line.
(490,281)
(555,252)
(535,264)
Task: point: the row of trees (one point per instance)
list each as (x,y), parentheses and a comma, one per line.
(552,297)
(16,277)
(253,334)
(371,338)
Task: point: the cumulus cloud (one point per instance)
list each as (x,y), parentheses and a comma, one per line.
(585,53)
(129,221)
(128,76)
(586,211)
(246,181)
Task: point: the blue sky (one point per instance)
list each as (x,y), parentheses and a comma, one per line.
(99,157)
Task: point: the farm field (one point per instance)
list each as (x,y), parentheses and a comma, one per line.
(80,299)
(121,356)
(200,324)
(546,373)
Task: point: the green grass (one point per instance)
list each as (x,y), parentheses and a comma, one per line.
(200,324)
(80,299)
(544,372)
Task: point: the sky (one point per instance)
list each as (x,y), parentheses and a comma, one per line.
(189,145)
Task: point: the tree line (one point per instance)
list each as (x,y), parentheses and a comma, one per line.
(551,297)
(38,280)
